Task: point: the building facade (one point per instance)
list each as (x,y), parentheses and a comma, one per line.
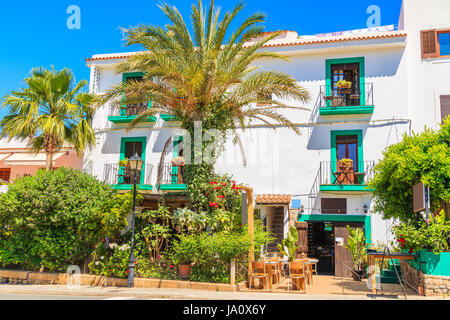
(18,160)
(397,85)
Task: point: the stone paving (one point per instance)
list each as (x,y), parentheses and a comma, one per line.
(330,285)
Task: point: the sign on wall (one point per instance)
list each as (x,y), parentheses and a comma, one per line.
(419,197)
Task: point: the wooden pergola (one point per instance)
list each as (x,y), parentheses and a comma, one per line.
(250,222)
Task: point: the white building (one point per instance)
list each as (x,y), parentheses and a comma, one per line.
(396,87)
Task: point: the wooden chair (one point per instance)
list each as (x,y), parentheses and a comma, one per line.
(272,266)
(297,271)
(255,273)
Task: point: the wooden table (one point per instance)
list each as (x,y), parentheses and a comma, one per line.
(371,256)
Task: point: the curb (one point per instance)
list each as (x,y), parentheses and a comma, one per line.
(27,277)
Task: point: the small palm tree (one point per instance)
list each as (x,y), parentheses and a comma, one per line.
(49,111)
(289,245)
(205,75)
(357,247)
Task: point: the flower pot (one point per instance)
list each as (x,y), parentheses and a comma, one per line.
(357,274)
(178,161)
(185,270)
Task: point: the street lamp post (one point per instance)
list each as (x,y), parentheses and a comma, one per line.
(135,163)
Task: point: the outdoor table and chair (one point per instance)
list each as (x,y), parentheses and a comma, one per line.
(271,270)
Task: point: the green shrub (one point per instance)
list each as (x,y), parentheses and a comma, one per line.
(55,218)
(417,237)
(211,254)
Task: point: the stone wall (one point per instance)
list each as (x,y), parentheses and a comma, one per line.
(425,284)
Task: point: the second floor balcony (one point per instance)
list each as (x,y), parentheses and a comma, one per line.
(122,178)
(127,113)
(354,100)
(172,177)
(339,176)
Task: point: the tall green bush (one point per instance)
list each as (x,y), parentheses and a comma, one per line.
(55,218)
(421,157)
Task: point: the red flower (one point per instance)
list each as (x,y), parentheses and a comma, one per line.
(111,269)
(410,251)
(171,266)
(220,196)
(206,194)
(213,182)
(223,184)
(240,224)
(127,271)
(218,188)
(214,204)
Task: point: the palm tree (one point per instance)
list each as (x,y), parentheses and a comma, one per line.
(206,76)
(48,112)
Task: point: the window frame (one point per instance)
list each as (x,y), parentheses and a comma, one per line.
(438,45)
(144,148)
(330,210)
(437,54)
(362,75)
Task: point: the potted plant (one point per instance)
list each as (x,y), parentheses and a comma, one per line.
(123,162)
(356,244)
(343,84)
(345,164)
(184,253)
(178,161)
(289,245)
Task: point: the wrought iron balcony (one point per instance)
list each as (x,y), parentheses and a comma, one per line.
(124,176)
(335,176)
(172,177)
(357,100)
(122,114)
(172,174)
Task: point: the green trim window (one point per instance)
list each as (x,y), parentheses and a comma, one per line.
(130,145)
(358,99)
(336,143)
(128,113)
(350,69)
(176,151)
(133,109)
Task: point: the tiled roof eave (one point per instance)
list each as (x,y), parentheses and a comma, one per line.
(290,43)
(273,199)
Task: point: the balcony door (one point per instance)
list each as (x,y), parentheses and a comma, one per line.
(347,148)
(133,109)
(349,72)
(128,148)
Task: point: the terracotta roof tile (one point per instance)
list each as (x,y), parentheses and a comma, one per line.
(294,42)
(273,198)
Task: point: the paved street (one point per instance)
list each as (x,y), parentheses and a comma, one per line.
(60,292)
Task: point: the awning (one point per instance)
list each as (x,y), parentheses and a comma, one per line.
(273,199)
(30,159)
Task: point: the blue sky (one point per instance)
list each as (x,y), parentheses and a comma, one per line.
(35,32)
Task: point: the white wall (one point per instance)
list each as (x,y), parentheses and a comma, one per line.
(281,162)
(427,79)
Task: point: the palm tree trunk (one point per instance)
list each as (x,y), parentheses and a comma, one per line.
(49,160)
